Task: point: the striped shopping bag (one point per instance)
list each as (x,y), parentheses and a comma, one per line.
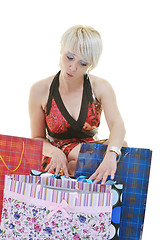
(47,208)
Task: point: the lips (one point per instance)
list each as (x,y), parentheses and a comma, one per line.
(69,75)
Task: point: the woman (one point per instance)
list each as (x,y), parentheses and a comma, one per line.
(65,109)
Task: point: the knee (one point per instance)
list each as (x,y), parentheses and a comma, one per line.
(73,155)
(125,144)
(72,162)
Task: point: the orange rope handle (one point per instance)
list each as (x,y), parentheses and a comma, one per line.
(19,161)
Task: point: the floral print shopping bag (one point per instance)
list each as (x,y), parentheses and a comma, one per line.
(35,211)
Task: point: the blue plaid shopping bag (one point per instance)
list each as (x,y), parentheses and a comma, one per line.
(133,172)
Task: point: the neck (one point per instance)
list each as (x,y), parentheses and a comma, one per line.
(71,85)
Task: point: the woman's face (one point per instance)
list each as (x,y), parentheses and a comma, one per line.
(72,66)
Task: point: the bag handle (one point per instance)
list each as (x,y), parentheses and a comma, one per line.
(19,161)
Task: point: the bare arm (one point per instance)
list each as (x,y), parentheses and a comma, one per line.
(113,117)
(37,101)
(115,123)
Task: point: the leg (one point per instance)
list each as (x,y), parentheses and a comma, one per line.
(125,144)
(73,156)
(72,159)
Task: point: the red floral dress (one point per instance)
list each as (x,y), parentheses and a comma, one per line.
(65,132)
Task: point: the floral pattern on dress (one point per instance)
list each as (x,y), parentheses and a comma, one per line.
(29,222)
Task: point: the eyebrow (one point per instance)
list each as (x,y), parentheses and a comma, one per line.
(72,53)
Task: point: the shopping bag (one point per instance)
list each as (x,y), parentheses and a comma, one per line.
(18,155)
(117,198)
(133,172)
(39,208)
(82,185)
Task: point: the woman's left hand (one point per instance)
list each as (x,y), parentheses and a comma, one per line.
(106,168)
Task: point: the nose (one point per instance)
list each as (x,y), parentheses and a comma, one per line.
(73,67)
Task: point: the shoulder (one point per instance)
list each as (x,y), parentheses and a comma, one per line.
(40,90)
(42,85)
(101,87)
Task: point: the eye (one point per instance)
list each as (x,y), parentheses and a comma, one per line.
(83,63)
(70,56)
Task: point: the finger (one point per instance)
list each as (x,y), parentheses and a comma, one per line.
(47,164)
(65,171)
(57,169)
(51,167)
(112,175)
(52,170)
(98,178)
(104,178)
(93,176)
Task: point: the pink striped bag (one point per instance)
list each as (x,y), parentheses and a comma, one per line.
(47,208)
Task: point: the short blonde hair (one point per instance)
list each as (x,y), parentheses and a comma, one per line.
(85,41)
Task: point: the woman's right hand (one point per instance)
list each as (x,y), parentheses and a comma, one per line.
(58,162)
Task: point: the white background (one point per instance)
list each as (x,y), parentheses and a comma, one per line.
(30,32)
